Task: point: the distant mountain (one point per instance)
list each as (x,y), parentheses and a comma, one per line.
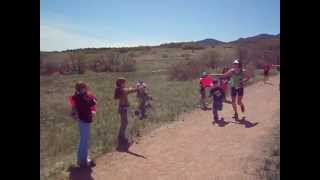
(204,42)
(255,38)
(209,42)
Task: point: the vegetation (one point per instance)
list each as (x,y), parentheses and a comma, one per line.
(100,67)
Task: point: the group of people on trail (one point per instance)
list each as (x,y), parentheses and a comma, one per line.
(83,109)
(235,77)
(83,103)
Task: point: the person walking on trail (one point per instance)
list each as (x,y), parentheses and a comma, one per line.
(278,67)
(143,98)
(266,70)
(121,93)
(83,110)
(205,82)
(218,97)
(238,77)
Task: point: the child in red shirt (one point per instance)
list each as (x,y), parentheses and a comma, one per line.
(205,82)
(83,106)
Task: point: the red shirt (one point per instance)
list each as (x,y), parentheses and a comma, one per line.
(85,104)
(206,81)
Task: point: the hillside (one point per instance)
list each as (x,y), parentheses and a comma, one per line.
(260,49)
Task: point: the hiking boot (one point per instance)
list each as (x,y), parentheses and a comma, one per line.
(242,108)
(91,163)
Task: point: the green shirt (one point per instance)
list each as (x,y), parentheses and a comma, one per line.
(235,80)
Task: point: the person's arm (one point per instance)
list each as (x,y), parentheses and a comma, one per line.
(227,74)
(247,77)
(73,113)
(131,90)
(72,104)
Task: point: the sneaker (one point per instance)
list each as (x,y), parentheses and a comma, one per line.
(89,163)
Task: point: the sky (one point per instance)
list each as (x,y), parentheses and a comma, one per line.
(73,24)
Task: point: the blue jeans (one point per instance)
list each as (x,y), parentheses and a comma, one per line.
(83,145)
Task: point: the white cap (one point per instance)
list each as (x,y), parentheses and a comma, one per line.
(236,61)
(204,73)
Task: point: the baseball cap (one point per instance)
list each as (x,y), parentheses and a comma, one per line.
(236,61)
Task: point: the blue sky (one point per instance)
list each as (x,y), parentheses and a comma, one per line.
(71,24)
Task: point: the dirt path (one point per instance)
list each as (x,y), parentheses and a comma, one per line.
(196,149)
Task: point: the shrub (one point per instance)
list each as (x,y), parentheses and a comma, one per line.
(192,47)
(50,67)
(165,56)
(187,56)
(213,59)
(114,62)
(78,62)
(186,70)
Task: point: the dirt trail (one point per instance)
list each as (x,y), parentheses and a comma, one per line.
(196,149)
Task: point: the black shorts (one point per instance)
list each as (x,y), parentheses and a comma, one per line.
(266,73)
(235,92)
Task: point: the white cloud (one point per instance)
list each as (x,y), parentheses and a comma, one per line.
(57,39)
(58,33)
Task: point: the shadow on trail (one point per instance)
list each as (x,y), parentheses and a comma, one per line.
(77,173)
(221,122)
(245,122)
(206,108)
(126,150)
